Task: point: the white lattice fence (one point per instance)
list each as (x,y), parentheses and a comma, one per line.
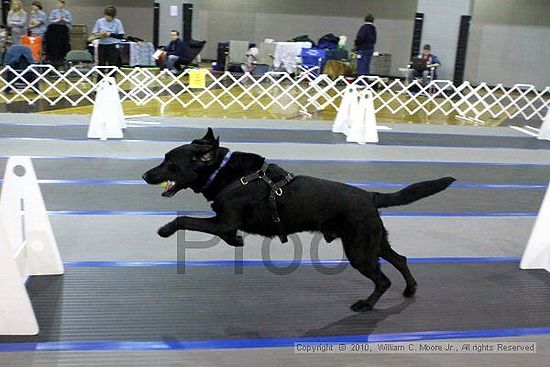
(305,92)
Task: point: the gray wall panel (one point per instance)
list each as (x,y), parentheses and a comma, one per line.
(510,43)
(255,20)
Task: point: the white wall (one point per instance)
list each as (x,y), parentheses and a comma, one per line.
(441,28)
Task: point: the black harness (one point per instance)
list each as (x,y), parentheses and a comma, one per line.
(276,191)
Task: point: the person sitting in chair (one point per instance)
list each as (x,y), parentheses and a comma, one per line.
(176,52)
(423,66)
(250,60)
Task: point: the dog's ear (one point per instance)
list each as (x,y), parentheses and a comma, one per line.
(209,135)
(208,152)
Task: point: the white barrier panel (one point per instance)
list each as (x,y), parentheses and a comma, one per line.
(344,112)
(27,243)
(544,133)
(107,119)
(363,125)
(537,251)
(16,313)
(307,91)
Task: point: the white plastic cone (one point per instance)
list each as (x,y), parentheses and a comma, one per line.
(23,214)
(545,127)
(371,129)
(348,103)
(16,313)
(363,128)
(107,119)
(27,246)
(355,113)
(537,251)
(116,104)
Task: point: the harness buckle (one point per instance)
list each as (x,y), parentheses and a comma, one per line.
(244,181)
(279,192)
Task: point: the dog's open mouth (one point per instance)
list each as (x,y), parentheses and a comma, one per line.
(169,189)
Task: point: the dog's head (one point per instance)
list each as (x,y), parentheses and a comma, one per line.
(187,166)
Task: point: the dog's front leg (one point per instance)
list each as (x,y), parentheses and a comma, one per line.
(232,239)
(214,225)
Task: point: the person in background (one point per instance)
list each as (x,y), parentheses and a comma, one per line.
(60,15)
(17,22)
(364,45)
(110,31)
(3,42)
(176,52)
(37,20)
(250,59)
(431,62)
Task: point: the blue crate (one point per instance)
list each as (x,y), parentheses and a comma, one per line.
(312,57)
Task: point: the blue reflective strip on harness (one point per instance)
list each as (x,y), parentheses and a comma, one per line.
(215,173)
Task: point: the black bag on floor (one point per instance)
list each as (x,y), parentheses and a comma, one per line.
(304,38)
(329,41)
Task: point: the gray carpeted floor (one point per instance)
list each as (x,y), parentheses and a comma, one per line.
(148,304)
(134,238)
(398,172)
(279,136)
(144,303)
(148,198)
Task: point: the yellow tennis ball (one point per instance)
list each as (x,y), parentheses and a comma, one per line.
(164,185)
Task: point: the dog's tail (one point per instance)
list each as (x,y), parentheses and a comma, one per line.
(412,192)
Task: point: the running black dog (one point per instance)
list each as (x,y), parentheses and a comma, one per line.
(254,197)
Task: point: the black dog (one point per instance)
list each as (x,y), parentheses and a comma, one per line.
(246,197)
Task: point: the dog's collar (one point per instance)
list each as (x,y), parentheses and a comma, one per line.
(215,173)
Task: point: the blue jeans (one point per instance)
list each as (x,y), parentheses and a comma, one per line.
(415,74)
(363,61)
(171,61)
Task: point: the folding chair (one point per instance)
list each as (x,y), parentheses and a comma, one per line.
(264,60)
(430,78)
(81,59)
(236,54)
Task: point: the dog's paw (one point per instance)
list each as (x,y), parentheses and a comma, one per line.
(235,241)
(165,231)
(238,242)
(409,291)
(329,236)
(361,306)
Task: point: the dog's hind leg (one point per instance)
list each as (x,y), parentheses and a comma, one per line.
(381,285)
(363,256)
(400,263)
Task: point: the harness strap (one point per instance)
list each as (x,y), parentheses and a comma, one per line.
(256,175)
(275,191)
